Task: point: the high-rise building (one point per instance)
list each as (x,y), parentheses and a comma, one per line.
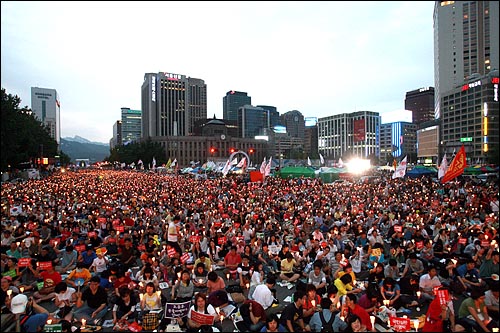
(116,140)
(355,134)
(421,103)
(171,104)
(273,115)
(294,123)
(465,43)
(131,125)
(252,121)
(232,102)
(397,140)
(46,107)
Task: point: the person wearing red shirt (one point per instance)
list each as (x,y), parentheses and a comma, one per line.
(231,262)
(359,311)
(254,317)
(51,278)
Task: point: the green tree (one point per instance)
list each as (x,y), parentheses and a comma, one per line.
(143,150)
(23,137)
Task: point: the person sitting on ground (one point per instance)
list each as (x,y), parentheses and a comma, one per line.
(427,284)
(79,277)
(292,315)
(92,302)
(273,324)
(32,317)
(344,285)
(65,298)
(200,278)
(287,269)
(327,308)
(124,307)
(254,317)
(201,306)
(318,278)
(473,313)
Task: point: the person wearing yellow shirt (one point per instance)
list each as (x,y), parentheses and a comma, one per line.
(80,273)
(287,266)
(344,285)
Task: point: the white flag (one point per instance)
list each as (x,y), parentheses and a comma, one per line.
(321,159)
(309,161)
(341,164)
(268,167)
(263,166)
(442,167)
(234,161)
(226,168)
(154,162)
(173,163)
(400,170)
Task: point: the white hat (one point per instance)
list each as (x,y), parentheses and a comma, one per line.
(18,303)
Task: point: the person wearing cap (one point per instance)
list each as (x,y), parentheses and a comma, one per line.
(100,263)
(32,317)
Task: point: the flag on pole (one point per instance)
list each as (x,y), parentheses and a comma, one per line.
(154,162)
(168,163)
(341,163)
(309,161)
(457,166)
(268,167)
(443,167)
(400,170)
(226,168)
(242,163)
(263,166)
(173,163)
(234,161)
(321,159)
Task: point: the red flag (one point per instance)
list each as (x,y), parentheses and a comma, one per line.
(456,167)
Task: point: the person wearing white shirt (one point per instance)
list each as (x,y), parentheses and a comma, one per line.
(264,295)
(428,282)
(375,238)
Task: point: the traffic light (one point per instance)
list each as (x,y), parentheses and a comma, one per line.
(251,150)
(213,150)
(232,150)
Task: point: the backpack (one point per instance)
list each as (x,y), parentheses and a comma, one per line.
(326,326)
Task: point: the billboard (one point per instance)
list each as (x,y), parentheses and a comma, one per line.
(310,121)
(359,130)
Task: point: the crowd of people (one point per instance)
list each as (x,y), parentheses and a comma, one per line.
(100,240)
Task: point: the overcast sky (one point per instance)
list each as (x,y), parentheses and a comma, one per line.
(321,58)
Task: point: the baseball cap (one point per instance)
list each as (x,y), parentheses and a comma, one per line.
(18,303)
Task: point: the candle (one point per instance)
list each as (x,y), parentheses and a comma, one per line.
(9,292)
(21,289)
(372,319)
(313,303)
(405,316)
(415,324)
(84,321)
(338,305)
(141,296)
(158,293)
(418,294)
(248,285)
(227,276)
(49,321)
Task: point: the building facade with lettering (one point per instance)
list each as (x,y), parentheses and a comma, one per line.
(171,104)
(465,43)
(46,107)
(470,117)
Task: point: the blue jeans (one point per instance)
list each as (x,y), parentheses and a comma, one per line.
(86,312)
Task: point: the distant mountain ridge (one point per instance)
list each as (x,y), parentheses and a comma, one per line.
(79,147)
(83,140)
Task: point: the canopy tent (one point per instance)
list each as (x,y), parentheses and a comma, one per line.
(296,172)
(420,170)
(329,175)
(479,169)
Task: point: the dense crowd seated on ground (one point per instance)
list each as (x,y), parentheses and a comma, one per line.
(111,238)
